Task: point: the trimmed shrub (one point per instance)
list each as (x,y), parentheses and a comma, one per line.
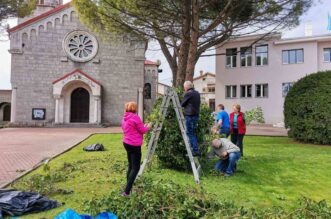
(307,109)
(171,151)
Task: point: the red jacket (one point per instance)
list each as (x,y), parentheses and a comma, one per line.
(240,123)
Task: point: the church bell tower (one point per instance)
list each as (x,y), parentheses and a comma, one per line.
(42,7)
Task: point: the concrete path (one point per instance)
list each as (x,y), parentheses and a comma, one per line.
(21,149)
(265,130)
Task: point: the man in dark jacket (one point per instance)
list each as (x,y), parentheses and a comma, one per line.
(191,104)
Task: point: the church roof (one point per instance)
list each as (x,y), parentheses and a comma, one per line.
(39,17)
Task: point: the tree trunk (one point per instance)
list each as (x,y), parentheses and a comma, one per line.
(184,46)
(193,42)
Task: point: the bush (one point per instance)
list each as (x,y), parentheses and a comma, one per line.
(166,199)
(171,150)
(255,114)
(307,109)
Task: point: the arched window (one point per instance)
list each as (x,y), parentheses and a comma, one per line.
(147,91)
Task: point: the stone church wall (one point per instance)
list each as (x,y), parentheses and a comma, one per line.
(38,59)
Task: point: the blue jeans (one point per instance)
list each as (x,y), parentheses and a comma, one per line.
(191,124)
(229,165)
(225,131)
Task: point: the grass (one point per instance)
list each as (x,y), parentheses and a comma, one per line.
(274,172)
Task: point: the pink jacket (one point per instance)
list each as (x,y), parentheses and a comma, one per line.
(133,129)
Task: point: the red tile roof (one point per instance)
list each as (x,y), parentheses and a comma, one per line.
(204,75)
(148,62)
(39,17)
(71,73)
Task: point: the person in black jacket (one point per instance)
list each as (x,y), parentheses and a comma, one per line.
(191,104)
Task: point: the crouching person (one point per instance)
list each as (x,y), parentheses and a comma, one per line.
(229,154)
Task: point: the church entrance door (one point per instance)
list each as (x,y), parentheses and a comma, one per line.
(80,106)
(6,113)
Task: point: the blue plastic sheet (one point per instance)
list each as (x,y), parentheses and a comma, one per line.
(71,214)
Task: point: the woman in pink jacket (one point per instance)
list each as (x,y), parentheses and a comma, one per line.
(133,129)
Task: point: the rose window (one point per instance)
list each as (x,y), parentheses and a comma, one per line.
(80,46)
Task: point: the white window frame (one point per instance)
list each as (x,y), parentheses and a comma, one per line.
(245,55)
(245,86)
(263,95)
(327,50)
(231,96)
(262,54)
(232,58)
(296,56)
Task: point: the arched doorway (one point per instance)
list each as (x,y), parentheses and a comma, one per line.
(80,106)
(6,113)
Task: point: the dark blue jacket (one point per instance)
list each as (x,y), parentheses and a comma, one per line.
(191,103)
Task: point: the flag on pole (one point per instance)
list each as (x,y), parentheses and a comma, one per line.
(329,22)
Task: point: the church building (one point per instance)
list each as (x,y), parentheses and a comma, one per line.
(64,73)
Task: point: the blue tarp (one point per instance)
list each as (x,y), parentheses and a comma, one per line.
(71,214)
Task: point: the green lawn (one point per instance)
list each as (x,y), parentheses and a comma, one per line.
(274,171)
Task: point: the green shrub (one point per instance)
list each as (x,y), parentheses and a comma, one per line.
(166,199)
(171,151)
(255,114)
(307,109)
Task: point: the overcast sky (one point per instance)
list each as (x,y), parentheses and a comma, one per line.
(317,16)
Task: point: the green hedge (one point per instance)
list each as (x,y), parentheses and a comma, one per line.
(307,109)
(171,151)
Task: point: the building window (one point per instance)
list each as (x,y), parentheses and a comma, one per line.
(211,89)
(261,53)
(293,56)
(212,104)
(147,91)
(245,91)
(286,87)
(231,58)
(231,91)
(261,90)
(327,55)
(246,56)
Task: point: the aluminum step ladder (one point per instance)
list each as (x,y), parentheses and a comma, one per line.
(170,95)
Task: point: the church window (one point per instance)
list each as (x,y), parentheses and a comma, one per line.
(80,46)
(147,91)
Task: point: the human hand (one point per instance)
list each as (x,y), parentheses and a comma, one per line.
(214,129)
(149,125)
(224,154)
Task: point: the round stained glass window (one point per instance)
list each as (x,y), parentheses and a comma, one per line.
(80,46)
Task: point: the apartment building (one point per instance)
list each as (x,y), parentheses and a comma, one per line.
(205,84)
(259,70)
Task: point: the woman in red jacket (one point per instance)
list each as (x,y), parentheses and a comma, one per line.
(237,127)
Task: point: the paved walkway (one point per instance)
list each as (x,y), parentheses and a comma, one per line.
(268,130)
(21,149)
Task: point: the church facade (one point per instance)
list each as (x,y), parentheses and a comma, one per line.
(63,73)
